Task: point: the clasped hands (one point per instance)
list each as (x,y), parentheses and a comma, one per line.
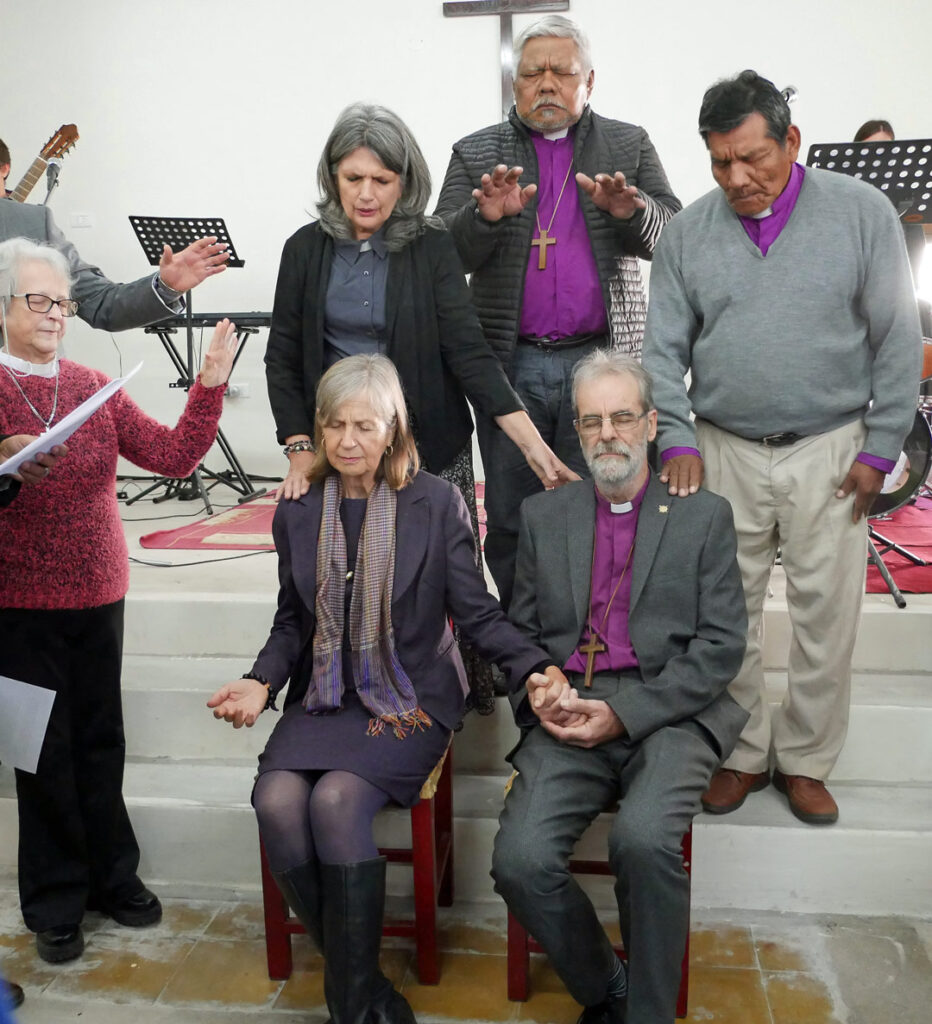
(499,194)
(567,717)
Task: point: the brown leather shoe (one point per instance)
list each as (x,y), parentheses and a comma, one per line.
(809,800)
(729,789)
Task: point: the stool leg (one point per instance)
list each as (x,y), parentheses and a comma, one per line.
(443,831)
(425,891)
(277,938)
(518,960)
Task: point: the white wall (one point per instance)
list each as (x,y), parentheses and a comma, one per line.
(221,107)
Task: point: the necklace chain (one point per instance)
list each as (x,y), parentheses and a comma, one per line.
(556,205)
(45,422)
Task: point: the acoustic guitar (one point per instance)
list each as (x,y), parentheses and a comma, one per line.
(57,146)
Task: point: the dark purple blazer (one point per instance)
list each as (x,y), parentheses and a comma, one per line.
(435,577)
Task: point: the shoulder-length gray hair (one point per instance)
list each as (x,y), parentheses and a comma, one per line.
(384,133)
(17,251)
(375,380)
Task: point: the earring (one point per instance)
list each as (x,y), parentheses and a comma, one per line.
(389,450)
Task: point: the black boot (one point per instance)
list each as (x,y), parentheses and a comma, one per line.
(357,992)
(301,888)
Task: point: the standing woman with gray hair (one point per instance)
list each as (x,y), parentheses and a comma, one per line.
(375,275)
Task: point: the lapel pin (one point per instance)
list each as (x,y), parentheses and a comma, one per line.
(663,508)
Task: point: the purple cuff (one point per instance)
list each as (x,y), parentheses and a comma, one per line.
(671,453)
(876,462)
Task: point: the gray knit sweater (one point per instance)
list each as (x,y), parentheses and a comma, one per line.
(801,340)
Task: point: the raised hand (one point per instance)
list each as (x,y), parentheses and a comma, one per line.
(201,259)
(499,194)
(612,193)
(218,362)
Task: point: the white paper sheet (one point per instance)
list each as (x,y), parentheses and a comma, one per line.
(67,425)
(24,717)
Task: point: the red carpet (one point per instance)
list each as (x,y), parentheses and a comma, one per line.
(248,528)
(911,527)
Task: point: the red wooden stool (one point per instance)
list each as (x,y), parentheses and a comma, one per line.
(521,945)
(430,855)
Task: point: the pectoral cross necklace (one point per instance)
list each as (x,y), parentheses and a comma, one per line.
(595,644)
(543,237)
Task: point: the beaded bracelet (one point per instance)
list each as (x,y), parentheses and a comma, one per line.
(270,698)
(298,446)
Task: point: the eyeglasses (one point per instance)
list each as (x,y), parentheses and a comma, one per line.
(589,426)
(40,303)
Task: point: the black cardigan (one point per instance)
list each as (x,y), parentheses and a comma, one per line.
(435,341)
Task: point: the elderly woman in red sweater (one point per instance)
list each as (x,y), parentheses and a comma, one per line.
(64,572)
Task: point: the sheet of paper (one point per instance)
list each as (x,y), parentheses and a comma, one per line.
(24,717)
(67,425)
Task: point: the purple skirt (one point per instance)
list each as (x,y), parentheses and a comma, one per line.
(337,741)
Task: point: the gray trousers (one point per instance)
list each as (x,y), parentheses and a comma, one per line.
(543,381)
(556,795)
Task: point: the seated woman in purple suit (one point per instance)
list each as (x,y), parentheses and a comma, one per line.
(374,561)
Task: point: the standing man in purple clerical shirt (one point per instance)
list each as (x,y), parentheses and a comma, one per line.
(551,211)
(637,597)
(785,293)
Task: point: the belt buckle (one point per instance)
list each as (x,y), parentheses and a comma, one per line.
(779,440)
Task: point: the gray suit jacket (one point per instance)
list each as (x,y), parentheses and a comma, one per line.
(103,304)
(687,620)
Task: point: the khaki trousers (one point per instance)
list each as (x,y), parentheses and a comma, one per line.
(784,497)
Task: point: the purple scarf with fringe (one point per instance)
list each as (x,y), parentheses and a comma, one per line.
(382,684)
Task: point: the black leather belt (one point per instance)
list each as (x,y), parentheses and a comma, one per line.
(573,341)
(781,440)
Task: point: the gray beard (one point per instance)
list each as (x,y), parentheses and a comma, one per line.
(614,473)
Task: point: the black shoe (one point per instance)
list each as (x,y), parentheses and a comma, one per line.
(12,992)
(353,900)
(301,888)
(135,911)
(612,1011)
(56,945)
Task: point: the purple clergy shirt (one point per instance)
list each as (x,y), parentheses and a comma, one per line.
(763,232)
(565,298)
(614,541)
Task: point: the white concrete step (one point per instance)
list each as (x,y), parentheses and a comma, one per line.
(198,838)
(176,621)
(889,739)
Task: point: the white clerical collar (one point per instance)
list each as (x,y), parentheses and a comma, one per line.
(560,133)
(763,214)
(626,506)
(24,368)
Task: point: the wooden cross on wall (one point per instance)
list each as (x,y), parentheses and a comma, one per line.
(504,9)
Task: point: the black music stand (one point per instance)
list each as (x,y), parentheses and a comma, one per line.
(902,170)
(154,233)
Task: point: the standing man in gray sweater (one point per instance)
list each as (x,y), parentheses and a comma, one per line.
(786,295)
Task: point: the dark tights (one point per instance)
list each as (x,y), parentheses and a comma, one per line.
(304,813)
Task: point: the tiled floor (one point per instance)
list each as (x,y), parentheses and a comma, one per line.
(205,963)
